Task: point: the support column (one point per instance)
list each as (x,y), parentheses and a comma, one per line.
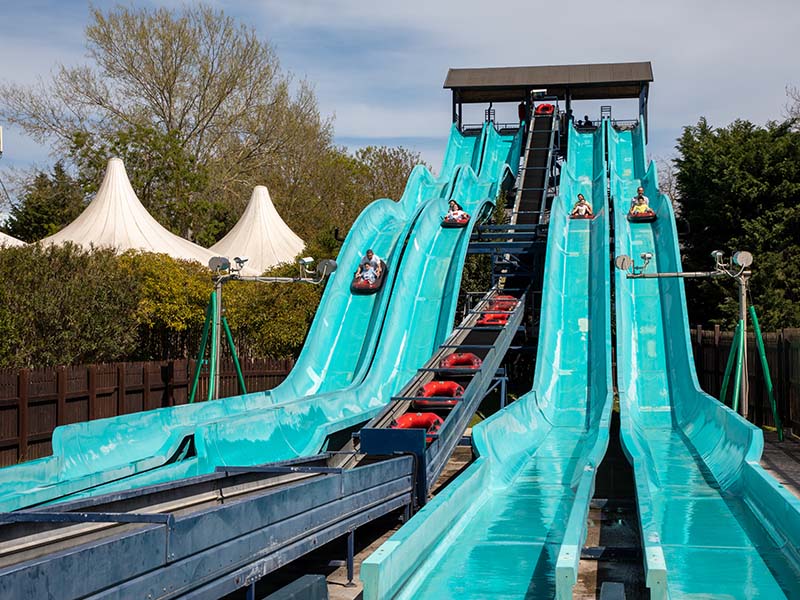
(744,385)
(350,559)
(216,347)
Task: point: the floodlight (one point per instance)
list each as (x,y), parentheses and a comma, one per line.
(326,266)
(717,255)
(240,260)
(647,256)
(742,258)
(306,261)
(623,262)
(219,263)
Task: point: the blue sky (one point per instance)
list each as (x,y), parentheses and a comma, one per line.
(378,67)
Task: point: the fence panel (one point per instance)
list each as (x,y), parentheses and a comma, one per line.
(711,349)
(34,401)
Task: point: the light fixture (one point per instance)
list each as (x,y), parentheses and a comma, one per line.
(742,258)
(623,262)
(325,267)
(219,263)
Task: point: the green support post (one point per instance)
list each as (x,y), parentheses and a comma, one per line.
(203,342)
(229,337)
(212,359)
(729,367)
(765,367)
(737,382)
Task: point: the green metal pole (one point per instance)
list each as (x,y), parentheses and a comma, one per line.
(767,377)
(212,360)
(729,367)
(737,381)
(203,341)
(229,337)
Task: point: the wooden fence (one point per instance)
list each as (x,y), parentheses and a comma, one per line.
(711,348)
(33,402)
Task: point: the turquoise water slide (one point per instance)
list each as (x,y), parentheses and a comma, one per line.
(270,430)
(419,317)
(337,353)
(340,343)
(714,523)
(512,525)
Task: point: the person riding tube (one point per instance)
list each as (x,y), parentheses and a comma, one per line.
(640,210)
(455,217)
(581,209)
(369,276)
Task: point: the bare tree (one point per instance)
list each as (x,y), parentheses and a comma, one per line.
(668,180)
(193,74)
(792,109)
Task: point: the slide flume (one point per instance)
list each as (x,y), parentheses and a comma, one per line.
(419,313)
(714,523)
(515,517)
(337,353)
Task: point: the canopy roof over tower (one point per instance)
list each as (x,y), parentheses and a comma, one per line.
(607,81)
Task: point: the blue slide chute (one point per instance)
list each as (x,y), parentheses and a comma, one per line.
(336,381)
(513,523)
(713,522)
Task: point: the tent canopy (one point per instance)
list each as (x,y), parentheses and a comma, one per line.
(117,219)
(7,240)
(261,235)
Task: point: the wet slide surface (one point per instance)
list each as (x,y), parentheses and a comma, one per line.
(419,313)
(338,353)
(515,504)
(714,523)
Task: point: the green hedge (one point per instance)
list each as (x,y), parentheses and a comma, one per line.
(65,305)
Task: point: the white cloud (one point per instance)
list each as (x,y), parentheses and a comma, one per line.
(379,66)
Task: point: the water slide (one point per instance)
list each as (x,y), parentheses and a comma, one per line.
(419,317)
(166,444)
(713,522)
(336,353)
(512,525)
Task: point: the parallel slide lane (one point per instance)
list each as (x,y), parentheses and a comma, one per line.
(714,523)
(508,526)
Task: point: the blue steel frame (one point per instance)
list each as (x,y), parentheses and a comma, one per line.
(431,458)
(210,551)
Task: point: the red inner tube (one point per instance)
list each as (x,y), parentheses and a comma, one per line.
(451,389)
(493,319)
(440,391)
(363,284)
(460,221)
(503,303)
(545,109)
(430,422)
(648,215)
(460,359)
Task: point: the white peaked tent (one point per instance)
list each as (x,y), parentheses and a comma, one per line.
(117,219)
(260,235)
(7,240)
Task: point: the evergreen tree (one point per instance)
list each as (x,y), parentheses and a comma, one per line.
(739,189)
(49,202)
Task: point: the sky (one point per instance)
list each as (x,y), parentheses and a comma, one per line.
(378,67)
